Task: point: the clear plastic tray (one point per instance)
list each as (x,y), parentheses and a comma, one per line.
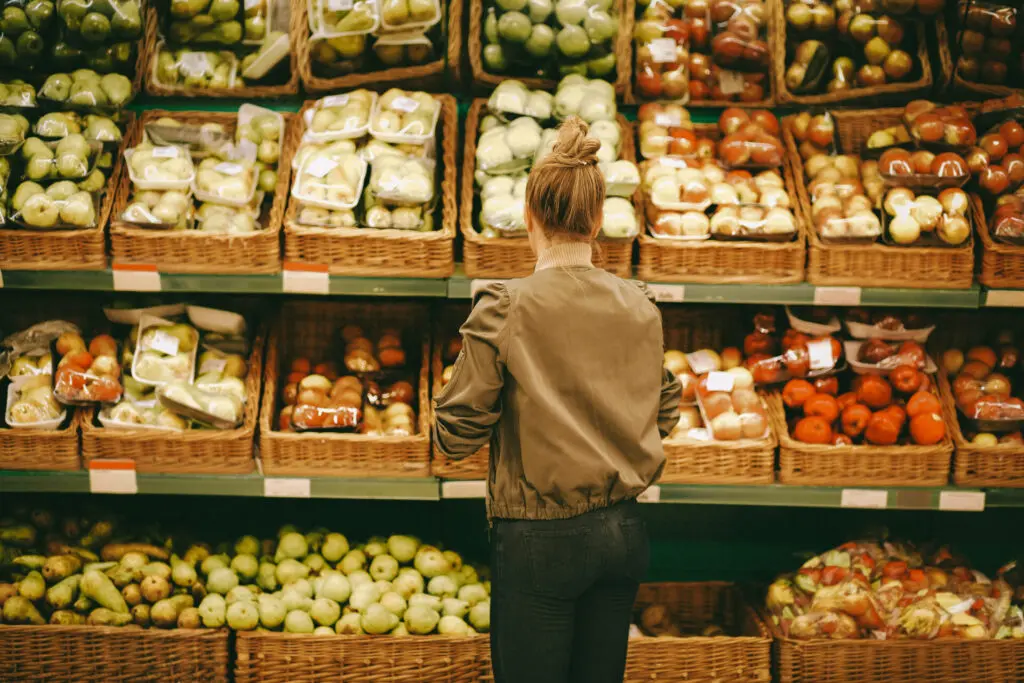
(176,161)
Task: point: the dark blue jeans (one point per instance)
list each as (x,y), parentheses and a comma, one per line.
(562,596)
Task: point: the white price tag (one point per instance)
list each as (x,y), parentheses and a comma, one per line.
(112,476)
(228,168)
(213,365)
(286,487)
(406,104)
(877,499)
(962,501)
(246,149)
(476,285)
(339,5)
(320,167)
(250,4)
(651,495)
(166,344)
(194,63)
(1006,298)
(663,50)
(669,293)
(165,152)
(961,606)
(334,101)
(464,489)
(698,434)
(837,296)
(821,354)
(135,278)
(730,82)
(305,278)
(700,362)
(720,381)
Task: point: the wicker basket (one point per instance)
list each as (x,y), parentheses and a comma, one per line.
(718,261)
(742,657)
(500,258)
(195,451)
(290,657)
(876,264)
(747,461)
(104,654)
(446,325)
(897,661)
(384,253)
(429,76)
(65,249)
(309,328)
(944,67)
(196,251)
(861,465)
(1001,465)
(766,103)
(484,82)
(1002,265)
(888,93)
(42,449)
(245,92)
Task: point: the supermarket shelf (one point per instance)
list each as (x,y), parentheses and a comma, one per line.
(249,485)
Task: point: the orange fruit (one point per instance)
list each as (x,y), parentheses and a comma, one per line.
(923,402)
(813,430)
(796,392)
(874,392)
(822,405)
(927,429)
(855,419)
(984,354)
(882,430)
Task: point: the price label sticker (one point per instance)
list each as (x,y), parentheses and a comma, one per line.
(163,342)
(837,296)
(720,381)
(165,152)
(334,101)
(1005,298)
(876,499)
(112,476)
(731,82)
(286,487)
(251,4)
(668,119)
(701,362)
(476,285)
(663,50)
(821,354)
(464,489)
(698,434)
(651,495)
(320,167)
(668,293)
(194,63)
(228,168)
(212,365)
(305,278)
(135,277)
(962,501)
(339,5)
(406,104)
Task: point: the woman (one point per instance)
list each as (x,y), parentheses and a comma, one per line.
(562,373)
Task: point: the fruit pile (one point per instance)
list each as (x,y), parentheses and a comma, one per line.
(798,354)
(864,45)
(375,396)
(997,161)
(551,39)
(87,374)
(661,40)
(986,42)
(893,591)
(983,381)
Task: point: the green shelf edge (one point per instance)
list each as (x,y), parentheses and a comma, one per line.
(430,489)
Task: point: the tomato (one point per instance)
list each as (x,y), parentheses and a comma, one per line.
(894,569)
(830,576)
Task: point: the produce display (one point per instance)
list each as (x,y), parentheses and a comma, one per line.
(983,380)
(86,374)
(91,571)
(551,39)
(893,591)
(86,90)
(344,179)
(847,47)
(806,350)
(519,129)
(31,404)
(371,392)
(986,44)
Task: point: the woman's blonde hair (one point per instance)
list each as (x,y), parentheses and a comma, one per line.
(565,191)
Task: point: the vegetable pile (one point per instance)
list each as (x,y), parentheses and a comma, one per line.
(75,571)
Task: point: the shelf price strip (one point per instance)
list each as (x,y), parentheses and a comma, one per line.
(286,487)
(305,278)
(668,293)
(865,498)
(837,296)
(112,476)
(136,277)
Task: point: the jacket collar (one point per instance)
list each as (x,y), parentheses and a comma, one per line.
(575,254)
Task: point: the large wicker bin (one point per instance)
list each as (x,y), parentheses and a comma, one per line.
(1002,265)
(877,264)
(42,449)
(102,654)
(194,451)
(198,251)
(22,249)
(746,461)
(502,258)
(290,658)
(897,661)
(475,466)
(385,253)
(311,328)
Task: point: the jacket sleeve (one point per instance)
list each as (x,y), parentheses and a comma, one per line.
(469,406)
(671,394)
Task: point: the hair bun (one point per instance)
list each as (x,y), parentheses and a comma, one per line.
(573,147)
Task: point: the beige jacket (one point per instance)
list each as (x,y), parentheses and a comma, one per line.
(562,373)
